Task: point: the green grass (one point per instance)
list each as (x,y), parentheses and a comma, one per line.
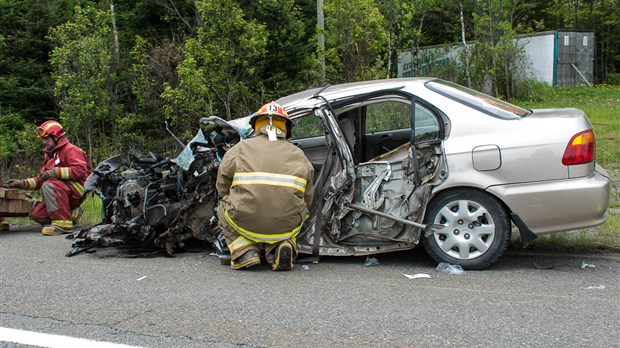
(602,105)
(92,210)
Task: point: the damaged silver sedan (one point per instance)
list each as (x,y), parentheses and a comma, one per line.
(405,161)
(398,162)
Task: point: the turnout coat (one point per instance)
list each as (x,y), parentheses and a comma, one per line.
(70,164)
(65,190)
(266,189)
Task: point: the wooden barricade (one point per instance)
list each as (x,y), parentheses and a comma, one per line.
(14,202)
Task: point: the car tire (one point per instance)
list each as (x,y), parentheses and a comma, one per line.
(476,229)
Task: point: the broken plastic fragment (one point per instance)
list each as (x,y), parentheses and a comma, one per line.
(371,261)
(450,269)
(141,278)
(584,265)
(418,276)
(305,267)
(595,287)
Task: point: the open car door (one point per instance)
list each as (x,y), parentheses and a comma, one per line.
(375,205)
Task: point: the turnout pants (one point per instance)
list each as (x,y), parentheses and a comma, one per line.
(59,198)
(239,244)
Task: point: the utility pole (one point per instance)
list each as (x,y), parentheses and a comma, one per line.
(465,46)
(115,33)
(320,19)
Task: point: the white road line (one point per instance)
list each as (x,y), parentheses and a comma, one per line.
(52,341)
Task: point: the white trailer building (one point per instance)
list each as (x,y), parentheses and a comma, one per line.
(559,57)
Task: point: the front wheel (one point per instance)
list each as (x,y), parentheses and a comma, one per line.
(476,229)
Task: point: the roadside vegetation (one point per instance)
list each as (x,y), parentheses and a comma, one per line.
(602,105)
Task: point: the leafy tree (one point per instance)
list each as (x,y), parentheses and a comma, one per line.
(26,96)
(157,20)
(152,66)
(606,19)
(85,78)
(355,40)
(217,74)
(495,57)
(288,62)
(24,71)
(414,25)
(413,16)
(151,34)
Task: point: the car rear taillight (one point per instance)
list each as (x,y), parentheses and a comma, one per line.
(580,149)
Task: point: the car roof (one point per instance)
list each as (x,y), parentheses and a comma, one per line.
(307,99)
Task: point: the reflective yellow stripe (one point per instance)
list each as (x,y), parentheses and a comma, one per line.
(75,213)
(63,172)
(263,178)
(63,223)
(77,186)
(32,183)
(239,243)
(260,237)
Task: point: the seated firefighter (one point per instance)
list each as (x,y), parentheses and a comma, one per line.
(61,180)
(266,187)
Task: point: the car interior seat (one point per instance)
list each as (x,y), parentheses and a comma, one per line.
(348,129)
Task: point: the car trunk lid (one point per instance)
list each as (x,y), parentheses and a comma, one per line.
(577,141)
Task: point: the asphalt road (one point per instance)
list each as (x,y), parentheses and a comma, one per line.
(527,299)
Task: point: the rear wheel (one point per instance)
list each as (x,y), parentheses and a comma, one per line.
(476,229)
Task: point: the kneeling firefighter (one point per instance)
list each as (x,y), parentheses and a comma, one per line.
(61,181)
(266,187)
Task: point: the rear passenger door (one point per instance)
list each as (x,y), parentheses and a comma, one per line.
(388,125)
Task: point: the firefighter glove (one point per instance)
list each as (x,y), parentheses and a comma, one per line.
(15,183)
(48,174)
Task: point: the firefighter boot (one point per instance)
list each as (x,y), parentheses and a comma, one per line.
(56,230)
(284,257)
(249,259)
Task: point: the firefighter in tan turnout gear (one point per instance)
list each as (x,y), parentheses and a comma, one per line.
(266,187)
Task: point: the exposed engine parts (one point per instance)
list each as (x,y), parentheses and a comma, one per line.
(159,201)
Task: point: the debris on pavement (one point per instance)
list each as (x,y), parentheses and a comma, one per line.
(595,287)
(418,276)
(586,265)
(449,269)
(371,261)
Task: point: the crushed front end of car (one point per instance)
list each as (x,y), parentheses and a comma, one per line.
(159,202)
